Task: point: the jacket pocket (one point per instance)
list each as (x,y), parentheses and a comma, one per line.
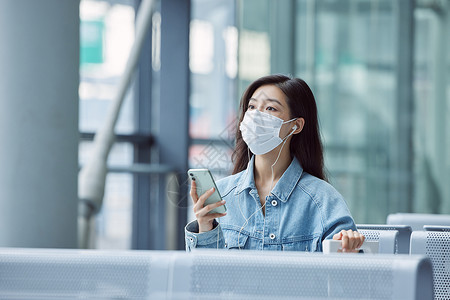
(234,239)
(301,244)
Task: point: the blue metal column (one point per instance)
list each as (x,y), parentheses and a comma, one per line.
(170,120)
(142,210)
(173,135)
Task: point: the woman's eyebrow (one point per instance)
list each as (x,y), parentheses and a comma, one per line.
(268,99)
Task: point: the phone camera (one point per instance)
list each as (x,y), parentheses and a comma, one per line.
(192,175)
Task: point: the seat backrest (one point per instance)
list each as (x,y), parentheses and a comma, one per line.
(417,221)
(436,228)
(213,274)
(404,233)
(387,239)
(436,245)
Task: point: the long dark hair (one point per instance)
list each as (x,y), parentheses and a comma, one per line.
(305,146)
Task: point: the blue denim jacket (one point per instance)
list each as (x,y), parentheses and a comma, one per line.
(301,212)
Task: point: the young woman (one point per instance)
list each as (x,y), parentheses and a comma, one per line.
(278,197)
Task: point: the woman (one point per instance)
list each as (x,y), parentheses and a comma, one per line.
(278,197)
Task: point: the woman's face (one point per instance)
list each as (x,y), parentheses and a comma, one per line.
(270,99)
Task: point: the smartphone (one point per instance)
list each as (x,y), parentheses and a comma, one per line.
(204,181)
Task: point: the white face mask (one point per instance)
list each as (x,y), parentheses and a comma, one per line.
(261,131)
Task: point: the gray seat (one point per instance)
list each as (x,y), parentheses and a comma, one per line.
(417,221)
(402,239)
(436,245)
(387,239)
(211,274)
(436,228)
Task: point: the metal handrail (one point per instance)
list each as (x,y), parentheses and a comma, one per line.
(140,168)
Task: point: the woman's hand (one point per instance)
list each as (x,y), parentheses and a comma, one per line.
(204,218)
(351,240)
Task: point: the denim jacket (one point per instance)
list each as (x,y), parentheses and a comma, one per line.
(301,211)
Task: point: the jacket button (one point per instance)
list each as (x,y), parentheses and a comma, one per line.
(272,236)
(274,202)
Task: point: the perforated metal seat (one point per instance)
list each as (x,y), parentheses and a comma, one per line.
(436,245)
(213,274)
(387,239)
(402,239)
(436,228)
(417,221)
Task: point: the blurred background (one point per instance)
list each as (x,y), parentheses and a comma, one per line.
(379,70)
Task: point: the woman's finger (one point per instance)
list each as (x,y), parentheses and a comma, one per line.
(356,239)
(362,238)
(212,206)
(337,236)
(193,192)
(201,200)
(353,239)
(350,240)
(207,209)
(345,240)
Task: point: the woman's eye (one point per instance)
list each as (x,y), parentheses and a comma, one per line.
(271,108)
(251,106)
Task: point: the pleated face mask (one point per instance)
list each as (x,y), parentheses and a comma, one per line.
(261,131)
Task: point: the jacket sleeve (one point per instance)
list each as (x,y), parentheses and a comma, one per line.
(210,239)
(337,217)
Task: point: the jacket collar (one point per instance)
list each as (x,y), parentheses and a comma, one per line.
(247,180)
(284,187)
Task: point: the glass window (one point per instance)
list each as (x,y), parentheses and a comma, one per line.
(213,65)
(355,88)
(213,100)
(106,37)
(113,223)
(349,53)
(113,227)
(432,99)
